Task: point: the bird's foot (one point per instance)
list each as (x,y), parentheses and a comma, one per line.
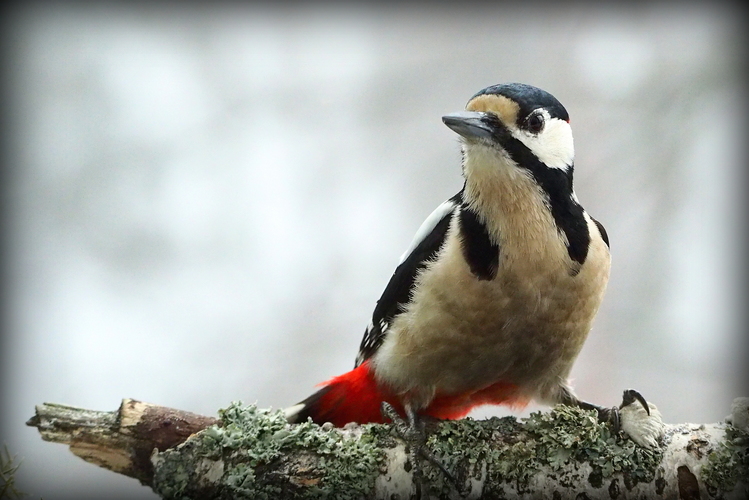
(641,422)
(613,415)
(637,418)
(412,431)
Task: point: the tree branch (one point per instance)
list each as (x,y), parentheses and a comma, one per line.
(254,453)
(121,440)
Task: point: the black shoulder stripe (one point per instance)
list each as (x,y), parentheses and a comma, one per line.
(570,220)
(602,230)
(397,293)
(479,251)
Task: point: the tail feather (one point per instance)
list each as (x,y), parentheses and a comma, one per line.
(354,396)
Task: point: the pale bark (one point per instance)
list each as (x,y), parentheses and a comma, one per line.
(121,440)
(252,453)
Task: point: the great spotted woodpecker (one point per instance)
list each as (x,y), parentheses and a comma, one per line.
(495,296)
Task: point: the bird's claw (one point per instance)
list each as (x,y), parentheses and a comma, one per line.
(411,430)
(403,429)
(630,396)
(613,415)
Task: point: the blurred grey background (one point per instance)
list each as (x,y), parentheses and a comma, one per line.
(205,203)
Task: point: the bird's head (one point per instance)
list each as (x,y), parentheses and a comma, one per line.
(516,126)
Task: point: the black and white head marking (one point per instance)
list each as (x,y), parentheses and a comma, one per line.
(540,122)
(532,128)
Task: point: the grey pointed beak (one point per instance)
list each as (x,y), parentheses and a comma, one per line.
(469,124)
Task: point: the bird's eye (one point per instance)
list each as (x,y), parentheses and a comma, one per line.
(535,123)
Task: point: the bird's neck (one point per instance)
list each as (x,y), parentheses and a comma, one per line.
(514,208)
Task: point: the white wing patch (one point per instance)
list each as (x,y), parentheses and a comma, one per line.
(427,226)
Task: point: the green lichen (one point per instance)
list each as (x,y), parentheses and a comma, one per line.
(251,441)
(172,477)
(255,453)
(514,452)
(728,464)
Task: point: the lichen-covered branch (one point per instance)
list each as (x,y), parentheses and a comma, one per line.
(563,453)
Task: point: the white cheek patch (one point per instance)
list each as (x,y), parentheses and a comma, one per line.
(553,146)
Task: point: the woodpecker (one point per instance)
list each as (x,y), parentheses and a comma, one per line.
(495,296)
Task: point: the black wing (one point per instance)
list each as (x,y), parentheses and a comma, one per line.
(426,244)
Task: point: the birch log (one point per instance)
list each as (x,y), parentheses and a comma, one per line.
(254,453)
